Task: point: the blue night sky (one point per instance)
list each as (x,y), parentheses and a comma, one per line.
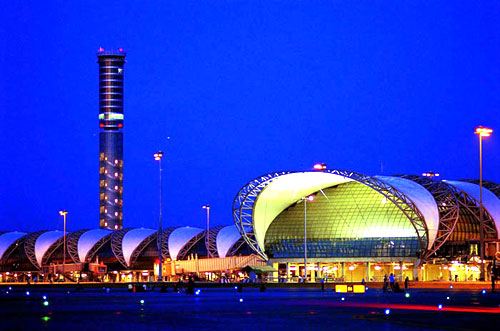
(243,88)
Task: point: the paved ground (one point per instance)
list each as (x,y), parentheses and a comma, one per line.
(277,308)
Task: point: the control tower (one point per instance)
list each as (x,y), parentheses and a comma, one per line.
(111,138)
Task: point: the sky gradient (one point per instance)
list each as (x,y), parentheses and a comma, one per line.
(242,88)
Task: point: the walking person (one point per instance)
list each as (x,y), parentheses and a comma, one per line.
(384,287)
(407,283)
(391,281)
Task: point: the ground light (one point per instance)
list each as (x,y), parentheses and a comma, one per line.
(197,292)
(141,302)
(44,297)
(447,298)
(45,318)
(451,286)
(440,306)
(241,299)
(46,303)
(28,293)
(483,291)
(407,295)
(387,311)
(342,298)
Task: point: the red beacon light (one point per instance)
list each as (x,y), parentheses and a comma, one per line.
(121,49)
(319,166)
(101,49)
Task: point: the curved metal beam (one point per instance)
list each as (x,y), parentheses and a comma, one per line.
(116,245)
(55,246)
(165,253)
(190,244)
(97,246)
(72,244)
(211,241)
(243,204)
(29,247)
(448,206)
(138,250)
(236,246)
(12,248)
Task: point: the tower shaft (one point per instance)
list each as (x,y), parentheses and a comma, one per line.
(111,138)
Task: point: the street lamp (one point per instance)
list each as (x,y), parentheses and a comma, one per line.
(481,132)
(207,208)
(305,199)
(64,213)
(158,157)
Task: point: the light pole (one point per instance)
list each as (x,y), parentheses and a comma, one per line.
(207,208)
(158,157)
(64,213)
(481,132)
(305,199)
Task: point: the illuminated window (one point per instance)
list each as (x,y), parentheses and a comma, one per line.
(116,227)
(116,213)
(116,200)
(116,161)
(105,210)
(105,171)
(116,174)
(105,223)
(105,198)
(116,187)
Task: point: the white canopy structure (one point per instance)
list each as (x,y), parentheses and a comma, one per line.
(87,241)
(8,239)
(132,239)
(44,242)
(226,238)
(179,238)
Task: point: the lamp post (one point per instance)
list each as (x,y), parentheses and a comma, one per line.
(481,132)
(207,208)
(64,213)
(158,157)
(305,199)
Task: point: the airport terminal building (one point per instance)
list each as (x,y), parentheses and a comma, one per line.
(344,226)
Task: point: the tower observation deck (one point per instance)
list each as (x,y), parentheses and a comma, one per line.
(111,138)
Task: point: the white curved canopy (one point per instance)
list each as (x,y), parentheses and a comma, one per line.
(284,191)
(7,239)
(179,238)
(422,199)
(226,238)
(43,243)
(132,239)
(490,201)
(88,239)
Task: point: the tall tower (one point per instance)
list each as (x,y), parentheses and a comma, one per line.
(111,138)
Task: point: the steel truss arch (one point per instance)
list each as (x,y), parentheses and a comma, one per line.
(97,246)
(13,247)
(190,244)
(244,202)
(72,244)
(165,253)
(55,246)
(448,206)
(211,241)
(140,248)
(116,245)
(29,247)
(472,205)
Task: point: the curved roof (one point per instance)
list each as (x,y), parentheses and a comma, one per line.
(7,239)
(43,243)
(226,238)
(179,238)
(87,241)
(284,191)
(132,239)
(490,201)
(422,198)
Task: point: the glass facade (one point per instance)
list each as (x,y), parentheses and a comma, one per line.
(353,220)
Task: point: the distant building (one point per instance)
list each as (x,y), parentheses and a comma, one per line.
(111,138)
